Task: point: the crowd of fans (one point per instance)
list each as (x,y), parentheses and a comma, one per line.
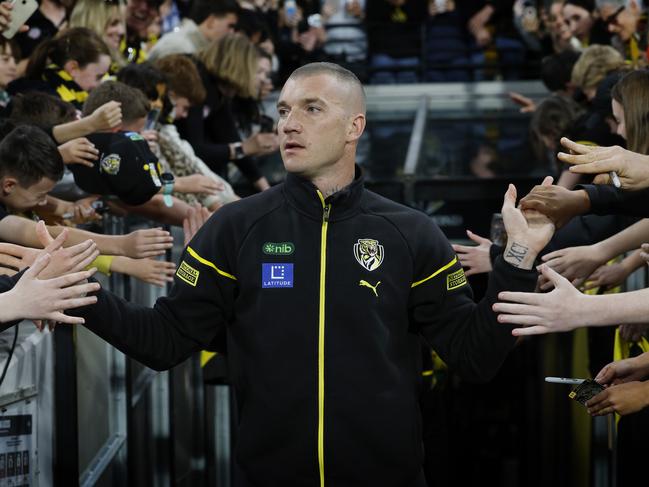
(141,107)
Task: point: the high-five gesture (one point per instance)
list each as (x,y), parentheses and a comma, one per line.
(54,295)
(544,313)
(527,231)
(558,203)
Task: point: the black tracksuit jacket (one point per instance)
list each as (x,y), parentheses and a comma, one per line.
(326,369)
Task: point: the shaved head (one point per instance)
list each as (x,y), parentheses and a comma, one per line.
(355,94)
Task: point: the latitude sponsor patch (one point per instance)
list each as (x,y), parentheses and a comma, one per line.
(187,273)
(276,275)
(455,280)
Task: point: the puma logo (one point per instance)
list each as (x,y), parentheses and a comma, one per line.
(364,283)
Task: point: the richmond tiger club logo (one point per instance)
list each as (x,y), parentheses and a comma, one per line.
(369,253)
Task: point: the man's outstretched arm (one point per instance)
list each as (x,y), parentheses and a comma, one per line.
(192,317)
(467,335)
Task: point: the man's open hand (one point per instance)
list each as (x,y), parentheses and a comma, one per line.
(528,232)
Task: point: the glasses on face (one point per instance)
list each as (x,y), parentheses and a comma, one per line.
(612,19)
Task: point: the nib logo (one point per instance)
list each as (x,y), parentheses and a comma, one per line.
(281,248)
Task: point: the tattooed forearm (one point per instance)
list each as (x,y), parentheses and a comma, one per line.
(516,253)
(519,255)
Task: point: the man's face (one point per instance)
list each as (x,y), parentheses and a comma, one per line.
(219,27)
(139,15)
(20,198)
(313,124)
(578,19)
(89,77)
(622,22)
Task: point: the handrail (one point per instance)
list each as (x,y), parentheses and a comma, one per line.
(414,149)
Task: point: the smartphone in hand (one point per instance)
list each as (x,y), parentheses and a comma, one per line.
(22,10)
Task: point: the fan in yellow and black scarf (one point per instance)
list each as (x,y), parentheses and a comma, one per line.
(67,66)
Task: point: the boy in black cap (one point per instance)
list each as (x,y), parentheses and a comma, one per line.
(30,165)
(126,167)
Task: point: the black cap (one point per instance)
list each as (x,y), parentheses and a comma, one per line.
(126,168)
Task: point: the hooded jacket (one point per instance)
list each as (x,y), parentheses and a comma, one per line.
(320,304)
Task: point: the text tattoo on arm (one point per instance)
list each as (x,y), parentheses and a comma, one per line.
(517,252)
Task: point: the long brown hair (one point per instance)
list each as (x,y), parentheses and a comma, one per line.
(632,92)
(79,44)
(233,60)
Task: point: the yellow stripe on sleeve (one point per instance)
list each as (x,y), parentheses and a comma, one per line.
(193,253)
(441,269)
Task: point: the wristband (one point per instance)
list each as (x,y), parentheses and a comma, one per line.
(167,188)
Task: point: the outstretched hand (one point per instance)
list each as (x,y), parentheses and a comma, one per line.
(475,258)
(64,260)
(563,309)
(556,202)
(575,263)
(54,295)
(528,231)
(527,104)
(195,219)
(148,242)
(632,168)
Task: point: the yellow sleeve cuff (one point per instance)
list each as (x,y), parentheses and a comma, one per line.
(102,263)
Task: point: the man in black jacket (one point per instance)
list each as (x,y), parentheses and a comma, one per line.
(318,290)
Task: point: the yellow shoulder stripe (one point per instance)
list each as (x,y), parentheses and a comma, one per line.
(206,357)
(193,253)
(441,269)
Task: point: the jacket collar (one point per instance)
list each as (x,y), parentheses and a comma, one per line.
(303,195)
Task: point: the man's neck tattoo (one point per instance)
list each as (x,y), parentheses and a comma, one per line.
(333,190)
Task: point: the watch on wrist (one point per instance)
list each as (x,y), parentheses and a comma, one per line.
(238,151)
(167,188)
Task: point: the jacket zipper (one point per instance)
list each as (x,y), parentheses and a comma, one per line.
(326,208)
